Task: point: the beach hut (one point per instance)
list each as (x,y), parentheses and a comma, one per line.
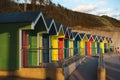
(83,46)
(98,44)
(18,37)
(107,39)
(45,43)
(89,44)
(71,47)
(57,43)
(94,45)
(66,42)
(105,44)
(109,44)
(102,44)
(76,38)
(60,42)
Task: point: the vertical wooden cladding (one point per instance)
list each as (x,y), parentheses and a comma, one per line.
(105,45)
(25,47)
(90,45)
(61,47)
(71,47)
(45,50)
(102,45)
(89,48)
(54,46)
(66,45)
(94,48)
(98,47)
(83,43)
(32,48)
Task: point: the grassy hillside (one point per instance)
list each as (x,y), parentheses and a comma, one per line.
(72,19)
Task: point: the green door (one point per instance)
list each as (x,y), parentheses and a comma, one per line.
(66,50)
(33,48)
(93,48)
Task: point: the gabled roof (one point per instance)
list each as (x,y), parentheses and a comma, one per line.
(82,35)
(76,36)
(94,37)
(69,32)
(22,17)
(101,38)
(107,38)
(110,39)
(98,37)
(50,22)
(71,35)
(88,36)
(18,17)
(59,27)
(65,29)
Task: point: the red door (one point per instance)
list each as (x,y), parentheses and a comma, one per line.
(61,48)
(25,47)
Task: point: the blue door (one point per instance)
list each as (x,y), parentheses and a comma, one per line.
(105,47)
(45,48)
(75,48)
(85,48)
(98,47)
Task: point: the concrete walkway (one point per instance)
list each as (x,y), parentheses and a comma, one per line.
(87,70)
(112,66)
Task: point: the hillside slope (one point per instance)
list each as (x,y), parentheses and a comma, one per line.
(74,20)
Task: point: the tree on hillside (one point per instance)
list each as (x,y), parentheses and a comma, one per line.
(25,5)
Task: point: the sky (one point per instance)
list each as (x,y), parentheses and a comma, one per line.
(97,7)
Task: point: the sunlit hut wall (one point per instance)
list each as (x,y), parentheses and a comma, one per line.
(14,38)
(83,46)
(94,51)
(33,42)
(54,43)
(66,42)
(89,44)
(105,45)
(60,34)
(45,43)
(71,43)
(76,43)
(102,44)
(110,42)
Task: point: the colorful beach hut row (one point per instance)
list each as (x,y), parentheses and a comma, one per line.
(28,39)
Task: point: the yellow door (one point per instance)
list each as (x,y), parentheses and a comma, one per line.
(54,46)
(82,46)
(102,46)
(71,47)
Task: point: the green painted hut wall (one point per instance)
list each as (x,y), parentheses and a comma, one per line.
(94,48)
(9,45)
(33,48)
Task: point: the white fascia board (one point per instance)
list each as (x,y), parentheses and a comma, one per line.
(53,23)
(35,22)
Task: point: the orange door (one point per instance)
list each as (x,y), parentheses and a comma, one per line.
(61,48)
(89,48)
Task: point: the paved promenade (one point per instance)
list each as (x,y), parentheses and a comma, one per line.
(87,70)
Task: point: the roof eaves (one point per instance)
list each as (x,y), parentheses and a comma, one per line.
(36,20)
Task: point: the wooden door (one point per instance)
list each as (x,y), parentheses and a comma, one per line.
(60,48)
